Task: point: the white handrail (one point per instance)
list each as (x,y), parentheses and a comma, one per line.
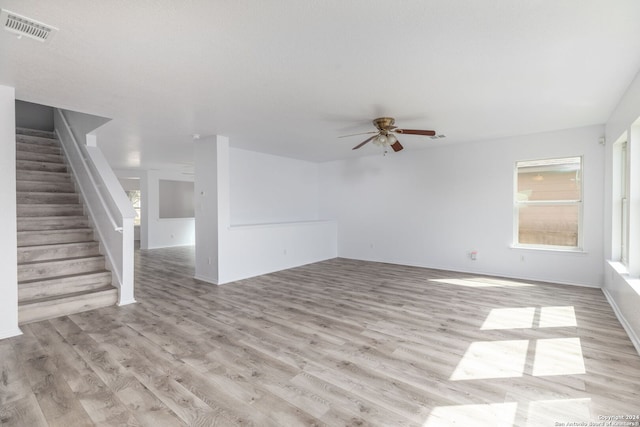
(110,215)
(108,206)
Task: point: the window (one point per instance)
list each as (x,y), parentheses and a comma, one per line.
(134,196)
(620,208)
(548,203)
(624,198)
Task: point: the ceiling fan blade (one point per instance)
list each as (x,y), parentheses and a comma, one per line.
(364,142)
(397,146)
(356,134)
(415,132)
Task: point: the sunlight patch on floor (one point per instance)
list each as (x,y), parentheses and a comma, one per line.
(550,412)
(483,415)
(555,317)
(524,317)
(492,359)
(558,356)
(510,318)
(538,413)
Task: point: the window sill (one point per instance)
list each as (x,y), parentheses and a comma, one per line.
(619,267)
(575,251)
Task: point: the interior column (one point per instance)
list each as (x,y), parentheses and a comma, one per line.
(211,192)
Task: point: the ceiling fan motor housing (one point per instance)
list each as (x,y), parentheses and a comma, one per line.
(384,123)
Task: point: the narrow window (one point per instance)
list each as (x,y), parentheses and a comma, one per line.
(624,203)
(134,196)
(548,203)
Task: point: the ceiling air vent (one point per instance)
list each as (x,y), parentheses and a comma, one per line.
(23,26)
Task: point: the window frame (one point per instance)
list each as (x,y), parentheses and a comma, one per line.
(517,204)
(622,195)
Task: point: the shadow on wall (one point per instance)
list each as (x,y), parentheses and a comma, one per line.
(34,116)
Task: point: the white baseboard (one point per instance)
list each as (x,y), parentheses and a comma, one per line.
(489,273)
(127,302)
(10,333)
(205,279)
(632,334)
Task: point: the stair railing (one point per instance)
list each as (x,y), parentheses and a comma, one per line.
(109,209)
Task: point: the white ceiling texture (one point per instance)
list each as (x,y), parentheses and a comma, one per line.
(287,77)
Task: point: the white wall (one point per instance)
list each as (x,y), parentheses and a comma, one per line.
(260,249)
(623,290)
(432,207)
(176,199)
(155,232)
(162,232)
(8,236)
(274,216)
(276,199)
(83,124)
(271,189)
(34,116)
(128,184)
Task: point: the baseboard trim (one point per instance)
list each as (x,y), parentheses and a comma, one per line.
(623,321)
(482,273)
(10,333)
(205,279)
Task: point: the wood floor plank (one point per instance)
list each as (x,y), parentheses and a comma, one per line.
(13,382)
(95,397)
(147,408)
(340,342)
(22,412)
(46,376)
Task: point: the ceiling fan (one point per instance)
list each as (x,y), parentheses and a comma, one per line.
(385,134)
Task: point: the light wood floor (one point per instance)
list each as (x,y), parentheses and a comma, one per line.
(339,342)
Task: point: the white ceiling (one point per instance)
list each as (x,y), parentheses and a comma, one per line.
(288,77)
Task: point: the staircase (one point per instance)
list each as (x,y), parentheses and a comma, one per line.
(60,269)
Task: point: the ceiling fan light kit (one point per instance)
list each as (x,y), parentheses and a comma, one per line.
(384,136)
